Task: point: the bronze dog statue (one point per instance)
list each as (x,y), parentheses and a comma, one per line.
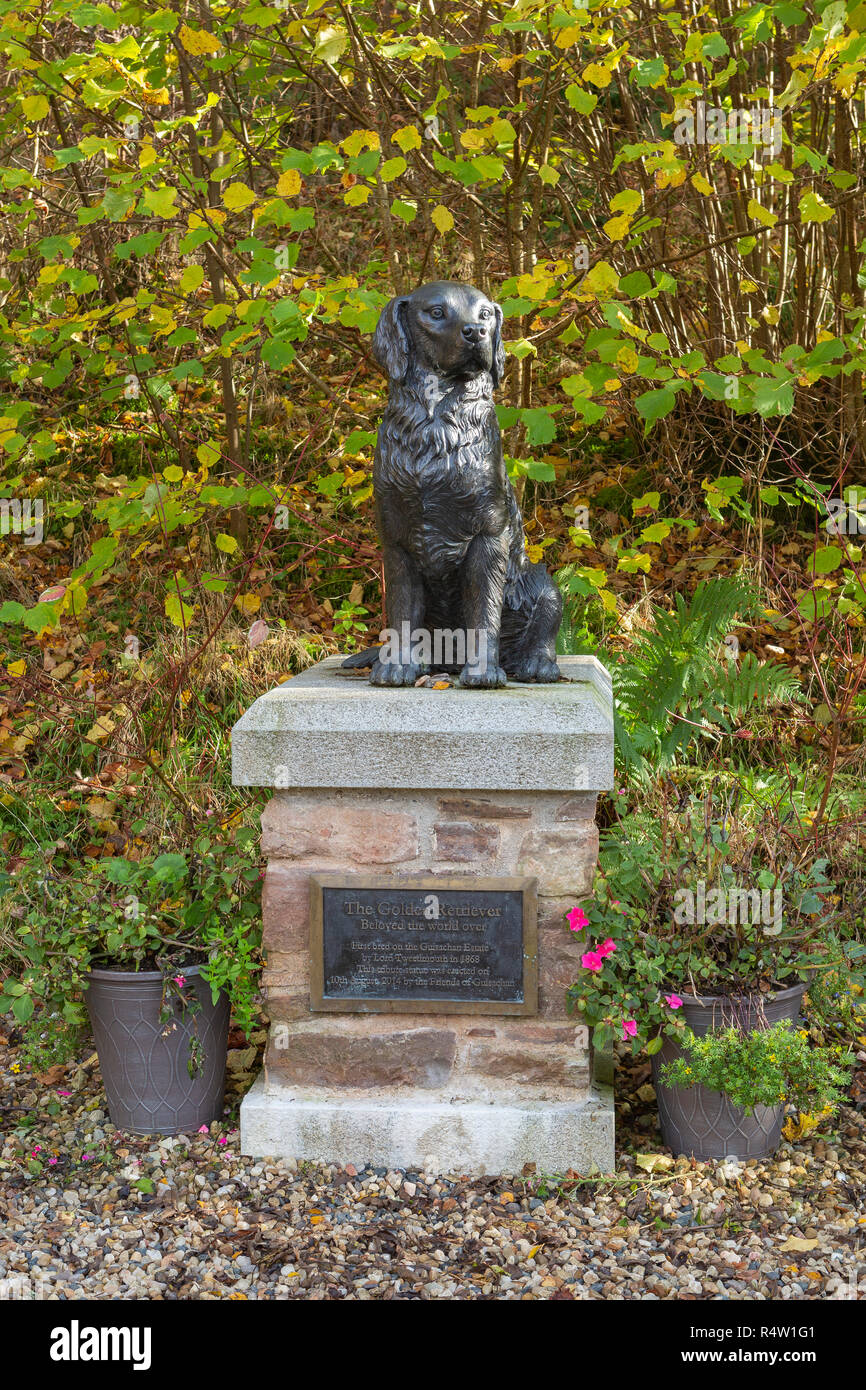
(448,520)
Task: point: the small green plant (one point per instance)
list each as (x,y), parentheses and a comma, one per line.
(681,681)
(767,1066)
(350,623)
(698,895)
(160,913)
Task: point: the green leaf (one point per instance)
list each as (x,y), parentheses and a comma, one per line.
(22,1007)
(774,398)
(392,169)
(579,100)
(407,212)
(826,559)
(160,201)
(636,284)
(814,209)
(178,612)
(540,426)
(331,44)
(654,405)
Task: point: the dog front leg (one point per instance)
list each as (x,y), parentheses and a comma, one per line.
(404,605)
(483,584)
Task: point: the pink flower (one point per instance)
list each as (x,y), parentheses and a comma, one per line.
(673,1001)
(179,980)
(591,960)
(85,1158)
(64,1093)
(577,919)
(36,1151)
(607,948)
(51,1162)
(203,1129)
(629,1028)
(222,1140)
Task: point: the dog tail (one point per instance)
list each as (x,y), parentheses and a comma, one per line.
(359,660)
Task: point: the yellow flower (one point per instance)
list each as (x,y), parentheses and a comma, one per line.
(16,1067)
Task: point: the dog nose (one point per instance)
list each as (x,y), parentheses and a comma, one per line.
(474,332)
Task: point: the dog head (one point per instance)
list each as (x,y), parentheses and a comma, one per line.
(444,327)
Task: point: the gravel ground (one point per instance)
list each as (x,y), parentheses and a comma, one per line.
(89,1213)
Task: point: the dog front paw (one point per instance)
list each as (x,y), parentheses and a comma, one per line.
(483,677)
(537,668)
(394,673)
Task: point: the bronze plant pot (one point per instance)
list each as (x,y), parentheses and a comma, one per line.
(145,1074)
(701,1123)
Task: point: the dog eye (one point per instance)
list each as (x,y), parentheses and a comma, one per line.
(484,314)
(436,312)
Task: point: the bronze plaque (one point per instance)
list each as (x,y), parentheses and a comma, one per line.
(423,945)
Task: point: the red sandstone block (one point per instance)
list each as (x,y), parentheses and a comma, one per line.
(460,842)
(530,1066)
(286,907)
(284,1007)
(296,827)
(287,972)
(578,807)
(563,861)
(421,1057)
(466,807)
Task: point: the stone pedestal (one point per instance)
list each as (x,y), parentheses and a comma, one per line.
(451,784)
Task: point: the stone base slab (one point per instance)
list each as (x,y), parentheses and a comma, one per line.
(429,1132)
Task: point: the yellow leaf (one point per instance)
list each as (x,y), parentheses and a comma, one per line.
(616,227)
(702,185)
(237,197)
(289,183)
(17,668)
(531,1254)
(442,219)
(248,603)
(654,1163)
(597,75)
(226,543)
(360,140)
(35,108)
(198,41)
(407,137)
(534,553)
(567,37)
(761,214)
(101,729)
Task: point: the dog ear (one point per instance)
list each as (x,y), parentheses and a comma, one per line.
(390,342)
(498,367)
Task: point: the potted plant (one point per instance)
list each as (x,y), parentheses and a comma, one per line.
(157,951)
(701,941)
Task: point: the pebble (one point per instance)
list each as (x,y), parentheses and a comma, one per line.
(219,1225)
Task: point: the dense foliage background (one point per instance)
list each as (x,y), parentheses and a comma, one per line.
(204,208)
